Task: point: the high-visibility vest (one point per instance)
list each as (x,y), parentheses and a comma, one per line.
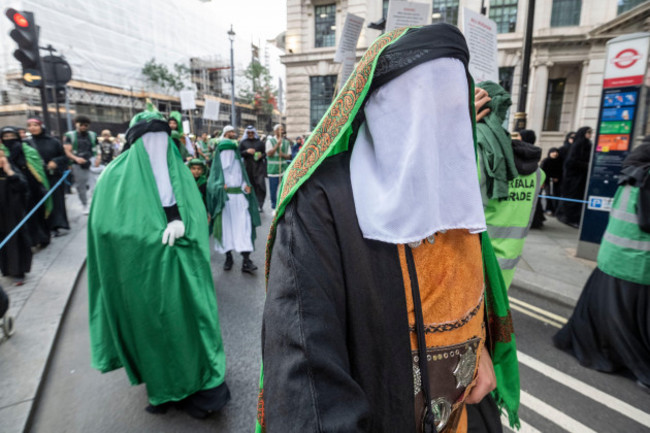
(275,164)
(625,248)
(509,219)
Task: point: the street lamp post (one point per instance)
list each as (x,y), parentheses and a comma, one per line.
(231,36)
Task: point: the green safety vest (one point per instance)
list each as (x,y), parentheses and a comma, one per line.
(275,164)
(625,248)
(509,219)
(72,135)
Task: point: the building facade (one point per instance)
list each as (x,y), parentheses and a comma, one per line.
(567,58)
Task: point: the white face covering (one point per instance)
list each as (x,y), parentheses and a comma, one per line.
(413,167)
(156,145)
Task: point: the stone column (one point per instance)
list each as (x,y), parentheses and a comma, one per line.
(582,97)
(537,104)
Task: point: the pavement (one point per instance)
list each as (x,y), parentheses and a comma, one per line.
(548,269)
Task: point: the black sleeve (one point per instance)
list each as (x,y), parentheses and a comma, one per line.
(643,205)
(308,385)
(61,159)
(66,140)
(172,213)
(243,149)
(18,183)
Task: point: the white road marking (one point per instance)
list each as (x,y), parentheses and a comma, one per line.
(541,311)
(595,394)
(525,427)
(534,315)
(552,414)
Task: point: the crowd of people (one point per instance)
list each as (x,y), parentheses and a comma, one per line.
(388,270)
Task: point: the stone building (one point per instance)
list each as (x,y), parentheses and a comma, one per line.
(567,59)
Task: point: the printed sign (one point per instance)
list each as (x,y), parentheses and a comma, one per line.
(349,37)
(211,109)
(600,203)
(348,68)
(620,99)
(626,62)
(625,113)
(187,100)
(613,143)
(481,35)
(615,127)
(404,13)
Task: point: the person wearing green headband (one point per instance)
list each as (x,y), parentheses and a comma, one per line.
(152,304)
(199,169)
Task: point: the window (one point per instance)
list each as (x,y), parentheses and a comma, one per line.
(445,11)
(506,75)
(554,100)
(626,5)
(384,8)
(566,13)
(321,91)
(325,28)
(504,13)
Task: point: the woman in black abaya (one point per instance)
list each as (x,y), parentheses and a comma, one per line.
(574,182)
(56,162)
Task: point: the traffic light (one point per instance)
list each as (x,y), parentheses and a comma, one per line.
(25,33)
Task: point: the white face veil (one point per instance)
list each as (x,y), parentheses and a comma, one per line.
(413,166)
(156,144)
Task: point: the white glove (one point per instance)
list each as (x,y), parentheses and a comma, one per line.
(174,230)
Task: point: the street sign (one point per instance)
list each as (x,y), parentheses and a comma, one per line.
(32,78)
(620,116)
(57,71)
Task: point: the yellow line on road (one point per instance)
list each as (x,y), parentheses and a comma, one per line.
(536,309)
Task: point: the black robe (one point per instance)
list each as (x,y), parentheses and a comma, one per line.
(51,149)
(16,255)
(327,365)
(574,180)
(256,170)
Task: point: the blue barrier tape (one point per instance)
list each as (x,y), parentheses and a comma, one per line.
(39,204)
(563,199)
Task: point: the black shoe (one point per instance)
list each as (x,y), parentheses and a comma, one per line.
(160,409)
(228,263)
(248,266)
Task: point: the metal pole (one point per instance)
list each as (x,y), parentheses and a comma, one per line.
(67,109)
(520,116)
(232,80)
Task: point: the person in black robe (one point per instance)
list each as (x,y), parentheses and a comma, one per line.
(552,166)
(253,152)
(609,329)
(528,136)
(39,232)
(16,255)
(566,146)
(56,163)
(574,179)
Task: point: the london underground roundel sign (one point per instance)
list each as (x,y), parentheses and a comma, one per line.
(626,58)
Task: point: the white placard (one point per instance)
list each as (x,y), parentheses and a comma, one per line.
(348,68)
(211,109)
(186,126)
(404,13)
(481,35)
(349,37)
(187,100)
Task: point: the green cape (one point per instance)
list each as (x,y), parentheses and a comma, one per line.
(495,144)
(330,138)
(152,307)
(36,167)
(217,195)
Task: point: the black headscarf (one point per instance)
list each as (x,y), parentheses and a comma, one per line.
(528,135)
(14,145)
(141,128)
(566,146)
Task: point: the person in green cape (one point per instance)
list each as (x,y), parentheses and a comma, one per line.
(386,310)
(198,168)
(231,203)
(29,162)
(152,303)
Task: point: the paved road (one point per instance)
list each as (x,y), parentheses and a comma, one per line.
(558,394)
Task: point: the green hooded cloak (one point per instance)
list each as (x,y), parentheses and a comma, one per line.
(218,196)
(333,136)
(152,307)
(178,134)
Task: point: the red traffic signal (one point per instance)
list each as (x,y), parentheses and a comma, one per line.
(25,33)
(17,18)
